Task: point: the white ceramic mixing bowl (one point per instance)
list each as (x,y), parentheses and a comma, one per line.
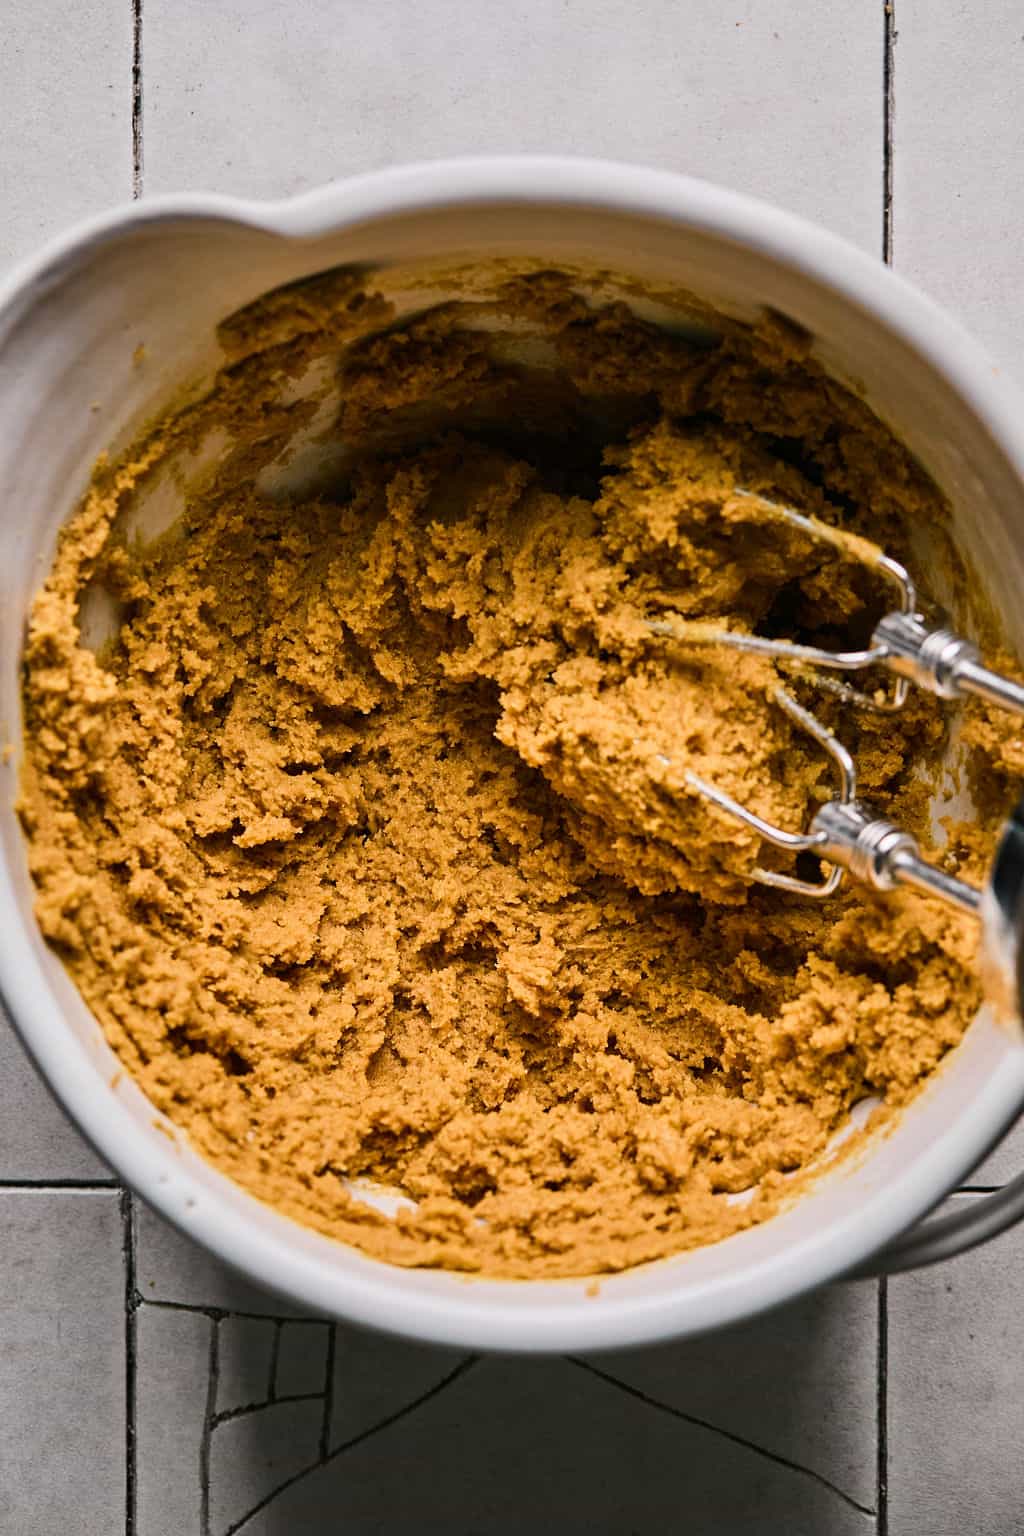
(163,273)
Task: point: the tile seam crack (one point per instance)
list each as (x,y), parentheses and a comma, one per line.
(271,1402)
(365,1434)
(211,1310)
(716,1429)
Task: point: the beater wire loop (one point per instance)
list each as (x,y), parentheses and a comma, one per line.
(792,842)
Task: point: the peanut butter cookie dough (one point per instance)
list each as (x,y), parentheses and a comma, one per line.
(367,837)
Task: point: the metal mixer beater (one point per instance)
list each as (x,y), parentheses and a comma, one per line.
(845,833)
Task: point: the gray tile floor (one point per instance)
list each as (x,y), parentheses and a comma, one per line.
(144,1390)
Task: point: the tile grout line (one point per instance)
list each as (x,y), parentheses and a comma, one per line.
(136,98)
(61,1186)
(888,154)
(882,1412)
(275,1350)
(888,123)
(209,1419)
(130,1361)
(325,1430)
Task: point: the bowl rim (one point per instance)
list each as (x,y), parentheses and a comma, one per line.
(220,1223)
